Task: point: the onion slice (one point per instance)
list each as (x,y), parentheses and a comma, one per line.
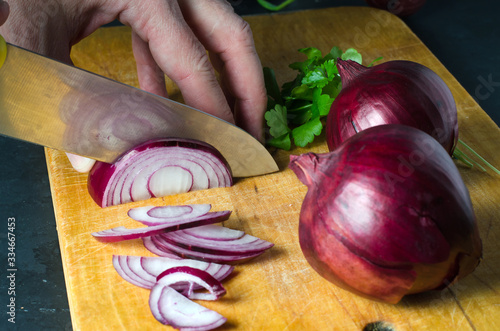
(122,233)
(152,215)
(208,243)
(158,168)
(143,271)
(151,246)
(172,308)
(189,277)
(196,240)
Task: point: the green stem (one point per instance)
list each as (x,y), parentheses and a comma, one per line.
(270,6)
(461,156)
(478,156)
(301,108)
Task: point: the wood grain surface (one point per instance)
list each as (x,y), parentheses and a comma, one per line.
(278,290)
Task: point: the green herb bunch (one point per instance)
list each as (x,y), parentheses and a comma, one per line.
(295,111)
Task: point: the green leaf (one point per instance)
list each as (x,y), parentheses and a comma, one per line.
(277,121)
(283,142)
(324,103)
(330,68)
(273,90)
(376,60)
(321,75)
(312,53)
(315,78)
(287,88)
(305,133)
(333,88)
(301,92)
(335,52)
(352,54)
(316,97)
(300,117)
(303,66)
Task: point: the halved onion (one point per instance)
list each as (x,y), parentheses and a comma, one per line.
(122,233)
(158,168)
(189,277)
(153,215)
(172,308)
(143,271)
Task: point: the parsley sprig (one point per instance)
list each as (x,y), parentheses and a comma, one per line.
(295,112)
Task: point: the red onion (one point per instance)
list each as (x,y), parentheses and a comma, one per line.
(143,271)
(121,233)
(189,277)
(158,168)
(151,246)
(387,214)
(172,308)
(397,7)
(394,92)
(152,215)
(165,276)
(210,243)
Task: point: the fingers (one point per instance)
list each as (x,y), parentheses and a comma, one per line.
(151,77)
(229,39)
(177,34)
(4,11)
(178,53)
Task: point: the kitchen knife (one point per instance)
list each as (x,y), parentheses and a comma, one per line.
(59,106)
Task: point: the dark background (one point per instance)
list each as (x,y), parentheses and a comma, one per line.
(464,36)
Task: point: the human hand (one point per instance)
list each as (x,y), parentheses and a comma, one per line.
(169,37)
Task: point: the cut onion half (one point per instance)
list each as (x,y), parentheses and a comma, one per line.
(152,215)
(172,308)
(122,233)
(143,271)
(158,168)
(190,279)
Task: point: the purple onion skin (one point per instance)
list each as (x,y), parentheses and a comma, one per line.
(394,92)
(101,172)
(387,214)
(400,8)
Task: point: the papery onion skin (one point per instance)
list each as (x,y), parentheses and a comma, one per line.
(398,7)
(387,214)
(100,179)
(394,92)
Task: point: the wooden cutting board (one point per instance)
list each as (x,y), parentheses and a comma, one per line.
(277,291)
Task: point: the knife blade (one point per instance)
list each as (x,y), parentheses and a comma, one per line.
(49,103)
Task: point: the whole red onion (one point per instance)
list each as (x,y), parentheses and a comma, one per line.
(387,214)
(397,7)
(394,92)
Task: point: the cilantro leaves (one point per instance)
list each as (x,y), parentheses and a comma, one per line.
(294,112)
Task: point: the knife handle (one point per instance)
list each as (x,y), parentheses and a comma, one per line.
(3,50)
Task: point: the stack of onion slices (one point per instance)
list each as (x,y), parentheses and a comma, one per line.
(190,248)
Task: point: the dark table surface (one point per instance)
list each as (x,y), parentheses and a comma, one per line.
(464,36)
